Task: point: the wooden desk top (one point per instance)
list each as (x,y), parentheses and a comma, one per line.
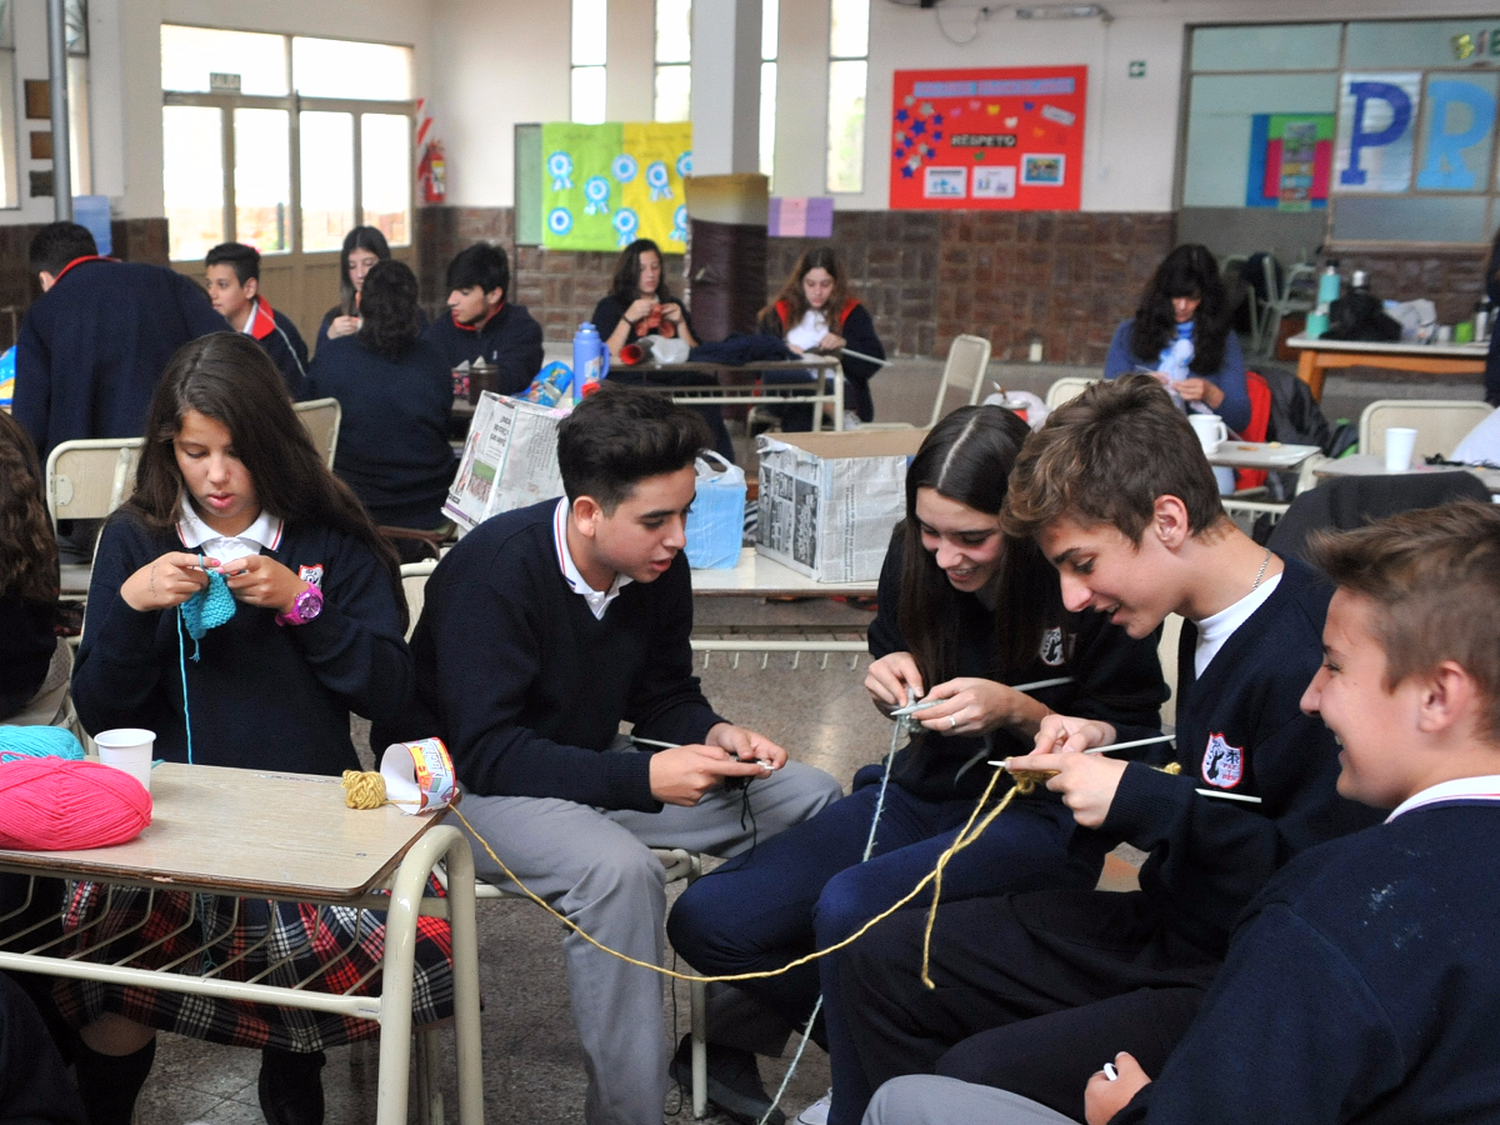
(757,576)
(1271,456)
(1447,351)
(246,832)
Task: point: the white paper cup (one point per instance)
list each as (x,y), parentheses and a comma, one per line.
(128,749)
(1211,431)
(1400,443)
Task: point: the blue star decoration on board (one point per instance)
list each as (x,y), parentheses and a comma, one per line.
(899,154)
(918,128)
(937,118)
(906,172)
(902,115)
(937,136)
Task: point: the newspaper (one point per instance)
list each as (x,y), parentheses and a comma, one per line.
(509,460)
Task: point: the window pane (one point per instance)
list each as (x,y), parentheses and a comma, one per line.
(385,175)
(1297,46)
(674,34)
(7,24)
(10,193)
(336,68)
(1414,44)
(263,179)
(590,32)
(588,95)
(846,126)
(76,26)
(80,148)
(192,179)
(1458,115)
(327,150)
(1413,219)
(767,118)
(770,14)
(674,93)
(849,33)
(190,54)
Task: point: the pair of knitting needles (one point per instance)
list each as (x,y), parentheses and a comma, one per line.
(1004,763)
(1036,685)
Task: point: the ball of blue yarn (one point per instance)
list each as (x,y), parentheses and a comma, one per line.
(38,742)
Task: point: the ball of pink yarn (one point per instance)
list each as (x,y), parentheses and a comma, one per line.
(54,805)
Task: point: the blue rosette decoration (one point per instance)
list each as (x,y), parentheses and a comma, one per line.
(596,196)
(624,167)
(679,225)
(685,165)
(560,165)
(658,181)
(626,222)
(559,220)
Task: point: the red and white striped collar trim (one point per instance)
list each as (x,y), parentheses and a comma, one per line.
(1483,788)
(598,600)
(262,320)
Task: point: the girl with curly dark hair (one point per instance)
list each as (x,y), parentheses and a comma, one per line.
(28,572)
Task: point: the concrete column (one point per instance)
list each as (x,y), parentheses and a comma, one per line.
(726,86)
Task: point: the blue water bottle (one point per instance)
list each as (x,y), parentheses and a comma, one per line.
(590,361)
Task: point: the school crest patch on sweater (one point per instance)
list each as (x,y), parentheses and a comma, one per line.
(1223,764)
(1053,652)
(312,575)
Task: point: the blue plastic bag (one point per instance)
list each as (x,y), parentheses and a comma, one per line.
(716,522)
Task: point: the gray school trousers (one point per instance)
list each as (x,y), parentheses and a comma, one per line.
(930,1099)
(594,867)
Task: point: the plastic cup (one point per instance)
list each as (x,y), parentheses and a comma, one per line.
(1445,334)
(1211,431)
(1400,444)
(1463,332)
(128,749)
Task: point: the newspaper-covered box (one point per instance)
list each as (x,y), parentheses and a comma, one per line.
(509,460)
(828,501)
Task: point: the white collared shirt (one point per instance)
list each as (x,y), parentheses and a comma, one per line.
(264,533)
(1486,787)
(598,601)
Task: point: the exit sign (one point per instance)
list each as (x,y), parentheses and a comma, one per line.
(230,83)
(1138,68)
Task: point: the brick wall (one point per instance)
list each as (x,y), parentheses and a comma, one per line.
(1452,279)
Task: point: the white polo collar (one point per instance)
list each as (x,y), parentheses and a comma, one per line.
(1483,788)
(598,601)
(263,534)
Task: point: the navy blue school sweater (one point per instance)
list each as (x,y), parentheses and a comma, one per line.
(1362,987)
(1240,729)
(1115,679)
(261,695)
(511,340)
(393,436)
(93,346)
(528,688)
(283,343)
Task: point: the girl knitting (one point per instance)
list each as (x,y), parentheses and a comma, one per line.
(241,606)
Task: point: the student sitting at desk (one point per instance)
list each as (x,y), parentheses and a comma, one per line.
(1361,985)
(963,613)
(304,621)
(1035,989)
(540,632)
(232,276)
(815,310)
(396,392)
(483,325)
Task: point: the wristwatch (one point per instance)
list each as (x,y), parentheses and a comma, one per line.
(305,606)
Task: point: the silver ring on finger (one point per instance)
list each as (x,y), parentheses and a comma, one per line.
(952,722)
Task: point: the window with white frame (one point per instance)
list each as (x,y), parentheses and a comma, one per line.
(674,59)
(10,180)
(848,79)
(590,53)
(769,30)
(283,142)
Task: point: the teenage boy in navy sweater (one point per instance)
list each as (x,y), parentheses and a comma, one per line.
(1361,985)
(543,630)
(482,326)
(232,277)
(1034,989)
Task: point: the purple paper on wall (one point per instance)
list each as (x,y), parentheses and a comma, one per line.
(800,217)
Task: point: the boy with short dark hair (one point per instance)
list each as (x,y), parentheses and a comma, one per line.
(232,277)
(482,326)
(1362,984)
(1034,989)
(543,630)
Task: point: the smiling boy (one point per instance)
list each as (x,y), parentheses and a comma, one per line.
(1034,990)
(541,631)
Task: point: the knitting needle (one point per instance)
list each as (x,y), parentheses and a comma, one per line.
(1036,685)
(1112,747)
(1229,796)
(674,745)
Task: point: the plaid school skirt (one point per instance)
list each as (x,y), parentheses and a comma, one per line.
(334,949)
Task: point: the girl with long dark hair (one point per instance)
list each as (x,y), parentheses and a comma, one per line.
(816,310)
(1181,333)
(28,578)
(640,303)
(964,612)
(363,247)
(396,394)
(231,490)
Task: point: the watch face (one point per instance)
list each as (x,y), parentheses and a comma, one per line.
(309,603)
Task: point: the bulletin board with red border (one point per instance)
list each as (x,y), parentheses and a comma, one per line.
(995,138)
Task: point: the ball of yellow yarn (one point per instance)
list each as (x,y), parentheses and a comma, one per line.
(363,790)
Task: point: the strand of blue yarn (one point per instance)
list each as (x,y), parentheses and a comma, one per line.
(38,742)
(209,608)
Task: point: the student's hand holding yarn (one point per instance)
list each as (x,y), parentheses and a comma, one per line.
(672,313)
(831,342)
(639,310)
(343,326)
(1066,734)
(746,745)
(165,582)
(681,775)
(1201,390)
(888,679)
(1104,1097)
(1087,782)
(261,580)
(969,705)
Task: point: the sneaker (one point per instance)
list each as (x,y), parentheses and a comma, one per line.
(851,420)
(733,1081)
(817,1113)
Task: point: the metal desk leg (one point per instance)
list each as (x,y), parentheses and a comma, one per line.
(838,397)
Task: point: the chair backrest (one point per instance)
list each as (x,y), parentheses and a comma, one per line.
(414,586)
(968,357)
(89,478)
(1440,424)
(1067,389)
(322,416)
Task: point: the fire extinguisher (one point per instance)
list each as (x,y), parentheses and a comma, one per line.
(432,173)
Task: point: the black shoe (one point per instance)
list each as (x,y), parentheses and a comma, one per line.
(291,1087)
(733,1081)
